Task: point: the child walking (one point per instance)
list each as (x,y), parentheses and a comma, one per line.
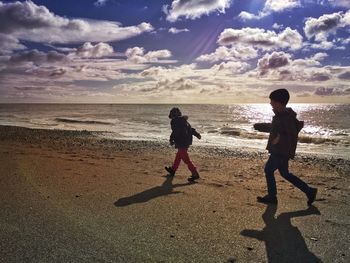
(181,136)
(281,145)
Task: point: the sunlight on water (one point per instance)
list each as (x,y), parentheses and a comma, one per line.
(326,130)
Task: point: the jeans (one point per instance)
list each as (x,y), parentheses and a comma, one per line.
(281,163)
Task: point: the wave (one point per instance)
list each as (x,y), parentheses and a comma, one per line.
(241,133)
(322,140)
(69,120)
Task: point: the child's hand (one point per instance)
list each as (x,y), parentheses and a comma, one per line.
(199,136)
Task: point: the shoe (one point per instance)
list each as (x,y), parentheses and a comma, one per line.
(311,196)
(170,170)
(267,199)
(193,177)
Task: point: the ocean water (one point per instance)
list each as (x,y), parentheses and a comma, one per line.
(326,130)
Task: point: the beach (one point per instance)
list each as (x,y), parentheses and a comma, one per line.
(72,196)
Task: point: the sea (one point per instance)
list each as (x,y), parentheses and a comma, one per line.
(326,130)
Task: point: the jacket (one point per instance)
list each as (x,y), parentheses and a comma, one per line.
(182,132)
(287,127)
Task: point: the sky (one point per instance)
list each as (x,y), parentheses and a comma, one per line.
(174,51)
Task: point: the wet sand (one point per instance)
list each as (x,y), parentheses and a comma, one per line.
(72,197)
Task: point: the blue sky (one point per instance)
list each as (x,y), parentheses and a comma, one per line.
(166,51)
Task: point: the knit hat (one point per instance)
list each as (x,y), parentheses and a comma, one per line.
(280,95)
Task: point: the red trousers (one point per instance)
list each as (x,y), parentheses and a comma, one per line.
(183,155)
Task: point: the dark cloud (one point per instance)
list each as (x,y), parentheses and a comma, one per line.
(38,57)
(321,27)
(320,77)
(58,72)
(29,88)
(345,75)
(28,21)
(24,15)
(322,91)
(9,43)
(273,61)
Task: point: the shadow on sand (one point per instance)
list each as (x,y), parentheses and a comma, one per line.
(283,241)
(167,188)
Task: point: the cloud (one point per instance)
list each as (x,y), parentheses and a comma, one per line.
(277,26)
(280,5)
(174,30)
(28,21)
(9,43)
(100,3)
(322,91)
(261,38)
(38,57)
(320,76)
(270,7)
(229,54)
(87,50)
(273,61)
(320,28)
(137,55)
(344,76)
(194,9)
(233,67)
(341,3)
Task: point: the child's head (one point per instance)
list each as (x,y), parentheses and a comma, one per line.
(279,99)
(174,112)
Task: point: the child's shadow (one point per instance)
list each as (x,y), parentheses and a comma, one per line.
(283,241)
(165,189)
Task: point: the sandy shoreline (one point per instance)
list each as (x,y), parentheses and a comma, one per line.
(71,197)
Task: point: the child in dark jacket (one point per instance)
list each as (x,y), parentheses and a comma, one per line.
(281,145)
(181,136)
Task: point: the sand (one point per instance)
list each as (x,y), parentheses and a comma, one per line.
(72,197)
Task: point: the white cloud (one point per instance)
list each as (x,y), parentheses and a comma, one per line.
(28,21)
(99,3)
(341,3)
(280,5)
(277,26)
(138,55)
(174,30)
(194,9)
(261,38)
(270,7)
(229,54)
(321,28)
(249,16)
(233,67)
(88,50)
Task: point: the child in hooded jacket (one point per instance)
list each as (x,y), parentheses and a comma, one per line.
(181,136)
(281,145)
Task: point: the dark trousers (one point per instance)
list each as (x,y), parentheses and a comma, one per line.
(281,163)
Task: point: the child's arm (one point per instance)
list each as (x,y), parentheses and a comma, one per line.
(195,133)
(263,127)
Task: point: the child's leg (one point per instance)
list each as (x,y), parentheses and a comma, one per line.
(187,160)
(296,181)
(270,167)
(177,160)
